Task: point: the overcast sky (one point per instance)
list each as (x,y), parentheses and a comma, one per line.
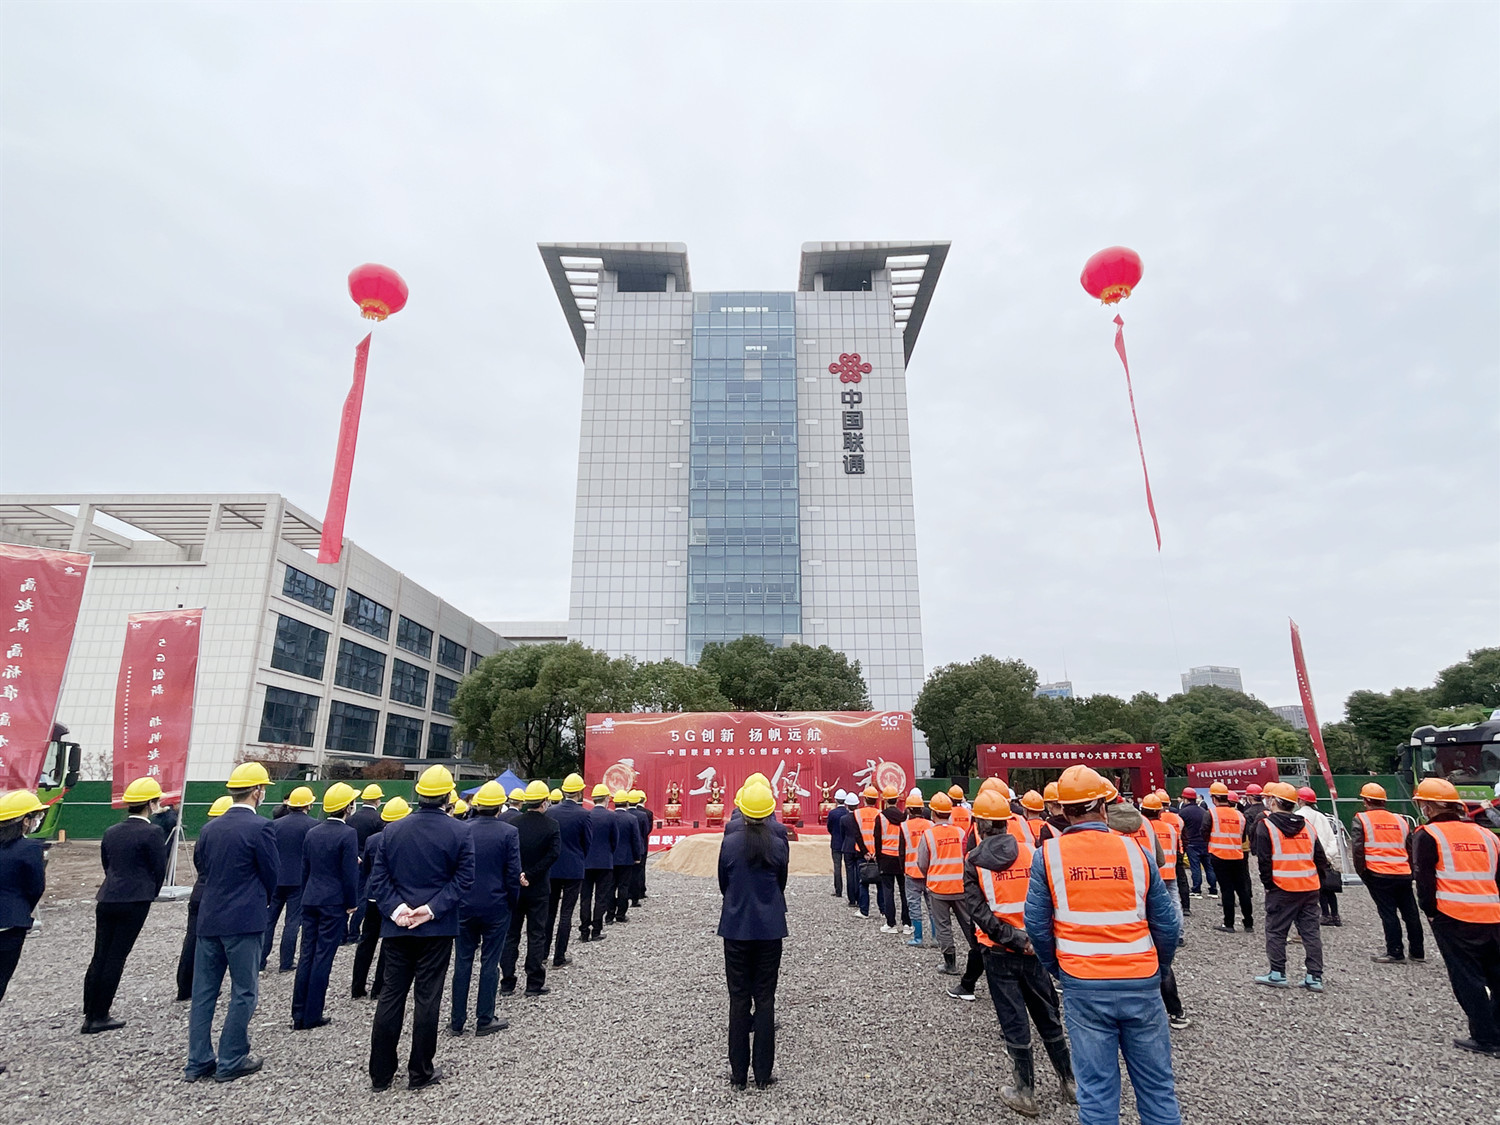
(1315,346)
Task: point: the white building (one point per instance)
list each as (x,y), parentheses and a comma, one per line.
(744,463)
(1294,714)
(352,661)
(1212,675)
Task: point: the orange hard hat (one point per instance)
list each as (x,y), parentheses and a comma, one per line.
(914,799)
(1080,784)
(941,802)
(1162,793)
(1282,791)
(990,805)
(1437,789)
(1151,801)
(956,792)
(890,793)
(1373,792)
(1111,794)
(990,783)
(1033,801)
(1219,789)
(869,792)
(1049,792)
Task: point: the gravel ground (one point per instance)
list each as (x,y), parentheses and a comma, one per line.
(634,1031)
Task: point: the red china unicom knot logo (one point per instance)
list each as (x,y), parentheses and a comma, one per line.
(848,368)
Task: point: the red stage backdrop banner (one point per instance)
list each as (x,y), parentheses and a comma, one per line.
(998,759)
(832,749)
(40,594)
(154,699)
(1236,774)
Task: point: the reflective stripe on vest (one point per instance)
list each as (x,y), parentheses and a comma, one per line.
(912,829)
(1228,831)
(945,860)
(1466,887)
(1020,830)
(1005,891)
(1292,866)
(1167,835)
(1385,842)
(890,837)
(866,818)
(1145,838)
(1173,819)
(1099,882)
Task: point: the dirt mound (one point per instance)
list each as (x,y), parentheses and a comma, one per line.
(699,855)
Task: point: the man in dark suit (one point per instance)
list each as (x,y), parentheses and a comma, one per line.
(576,833)
(647,821)
(836,817)
(628,849)
(366,822)
(598,869)
(237,862)
(541,842)
(330,892)
(484,914)
(134,855)
(421,872)
(290,830)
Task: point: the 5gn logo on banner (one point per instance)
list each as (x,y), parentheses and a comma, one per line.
(41,592)
(154,699)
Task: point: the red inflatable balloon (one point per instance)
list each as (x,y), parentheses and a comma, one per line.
(1111,274)
(377,290)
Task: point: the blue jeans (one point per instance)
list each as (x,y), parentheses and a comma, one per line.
(1198,860)
(916,897)
(323,929)
(1102,1024)
(240,955)
(487,938)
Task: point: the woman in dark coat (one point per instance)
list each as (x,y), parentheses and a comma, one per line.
(752,879)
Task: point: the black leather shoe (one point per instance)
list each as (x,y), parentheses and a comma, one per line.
(1477,1048)
(583,937)
(94,1027)
(561,962)
(1225,929)
(433,1080)
(249,1066)
(600,936)
(507,990)
(739,1083)
(538,991)
(1249,927)
(1387,959)
(762,1083)
(380,1087)
(209,1073)
(489,1027)
(456,1032)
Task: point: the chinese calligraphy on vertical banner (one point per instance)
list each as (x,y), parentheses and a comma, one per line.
(154,699)
(851,369)
(40,595)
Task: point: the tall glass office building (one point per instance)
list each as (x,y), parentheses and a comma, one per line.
(744,463)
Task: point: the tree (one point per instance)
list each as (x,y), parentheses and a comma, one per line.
(1112,736)
(666,685)
(1384,722)
(1347,752)
(984,700)
(1278,743)
(1475,680)
(754,675)
(1211,735)
(744,671)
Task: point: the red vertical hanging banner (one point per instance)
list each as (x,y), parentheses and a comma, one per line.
(154,700)
(1129,390)
(332,543)
(41,592)
(1314,731)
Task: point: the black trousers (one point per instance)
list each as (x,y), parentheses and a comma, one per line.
(1285,909)
(560,906)
(624,874)
(1393,896)
(598,899)
(1471,950)
(188,955)
(1328,902)
(369,938)
(1234,880)
(851,876)
(530,912)
(1169,997)
(116,926)
(638,885)
(1182,884)
(418,965)
(1018,986)
(10,953)
(751,969)
(838,874)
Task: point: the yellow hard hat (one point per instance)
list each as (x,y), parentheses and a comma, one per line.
(372,792)
(141,790)
(394,809)
(601,790)
(621,798)
(435,781)
(460,807)
(572,784)
(537,791)
(19,803)
(220,805)
(490,794)
(248,776)
(639,796)
(555,796)
(516,794)
(756,801)
(337,796)
(757,778)
(300,797)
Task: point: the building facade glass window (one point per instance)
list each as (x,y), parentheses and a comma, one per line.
(360,668)
(308,590)
(350,728)
(403,737)
(299,648)
(413,637)
(744,555)
(439,741)
(442,695)
(408,683)
(367,615)
(288,717)
(451,654)
(474,659)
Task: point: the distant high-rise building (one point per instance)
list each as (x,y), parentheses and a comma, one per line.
(1062,689)
(1212,675)
(1293,714)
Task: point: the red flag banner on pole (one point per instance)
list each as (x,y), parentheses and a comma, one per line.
(332,543)
(41,592)
(154,700)
(1150,503)
(1314,731)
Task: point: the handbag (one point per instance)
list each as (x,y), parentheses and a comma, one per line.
(869,872)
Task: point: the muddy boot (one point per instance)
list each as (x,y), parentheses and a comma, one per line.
(916,932)
(1022,1096)
(1062,1062)
(950,964)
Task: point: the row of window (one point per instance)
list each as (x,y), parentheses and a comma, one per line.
(302,649)
(369,616)
(291,718)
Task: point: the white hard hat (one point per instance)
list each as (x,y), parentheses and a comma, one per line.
(852,799)
(841,794)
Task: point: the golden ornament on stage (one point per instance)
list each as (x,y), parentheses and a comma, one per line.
(791,808)
(713,812)
(673,811)
(825,806)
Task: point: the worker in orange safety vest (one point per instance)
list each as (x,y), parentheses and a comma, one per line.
(912,829)
(940,858)
(1382,842)
(1292,863)
(1226,848)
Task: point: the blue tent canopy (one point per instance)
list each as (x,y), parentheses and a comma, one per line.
(507,780)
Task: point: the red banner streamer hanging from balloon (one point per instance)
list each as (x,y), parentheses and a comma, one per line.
(1314,731)
(332,543)
(1150,503)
